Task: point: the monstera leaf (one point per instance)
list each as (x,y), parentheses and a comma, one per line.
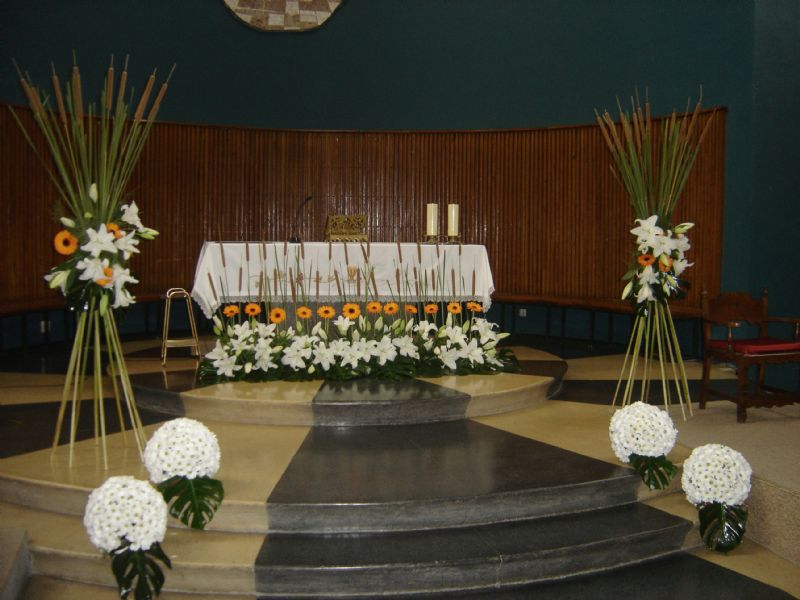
(137,571)
(192,501)
(656,471)
(722,526)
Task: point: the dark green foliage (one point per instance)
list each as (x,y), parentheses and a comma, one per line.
(656,471)
(722,526)
(137,571)
(192,501)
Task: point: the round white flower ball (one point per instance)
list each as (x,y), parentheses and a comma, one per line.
(182,448)
(716,473)
(641,429)
(124,507)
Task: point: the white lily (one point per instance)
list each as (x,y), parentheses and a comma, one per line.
(130,215)
(57,279)
(101,240)
(405,346)
(127,245)
(324,356)
(92,268)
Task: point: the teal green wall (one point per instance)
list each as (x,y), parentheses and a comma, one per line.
(466,64)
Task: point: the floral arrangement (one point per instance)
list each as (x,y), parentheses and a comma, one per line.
(643,435)
(94,150)
(716,479)
(182,458)
(127,518)
(386,343)
(660,261)
(653,166)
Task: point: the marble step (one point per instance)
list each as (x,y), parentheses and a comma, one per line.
(475,558)
(278,565)
(361,479)
(361,402)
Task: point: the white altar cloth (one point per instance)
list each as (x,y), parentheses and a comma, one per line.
(308,272)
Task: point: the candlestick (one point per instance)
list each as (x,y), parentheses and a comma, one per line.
(432,220)
(452,220)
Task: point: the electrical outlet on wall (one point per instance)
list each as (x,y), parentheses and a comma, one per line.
(523,312)
(44,326)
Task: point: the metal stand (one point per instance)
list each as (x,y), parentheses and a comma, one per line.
(180,342)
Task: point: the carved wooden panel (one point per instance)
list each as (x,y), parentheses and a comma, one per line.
(543,201)
(283,15)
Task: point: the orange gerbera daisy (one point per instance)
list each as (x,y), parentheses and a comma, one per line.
(475,307)
(391,308)
(431,309)
(326,312)
(351,310)
(114,228)
(410,309)
(646,259)
(65,243)
(277,315)
(374,307)
(109,276)
(454,308)
(231,310)
(303,312)
(252,309)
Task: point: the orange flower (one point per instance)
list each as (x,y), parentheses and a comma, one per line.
(391,308)
(665,264)
(374,307)
(646,260)
(410,309)
(454,308)
(109,276)
(475,307)
(231,310)
(303,312)
(277,315)
(114,228)
(351,310)
(326,312)
(65,243)
(431,309)
(252,309)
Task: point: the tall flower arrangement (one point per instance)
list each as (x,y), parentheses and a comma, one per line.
(93,151)
(654,166)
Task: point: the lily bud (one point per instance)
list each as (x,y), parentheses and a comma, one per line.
(67,222)
(93,192)
(683,227)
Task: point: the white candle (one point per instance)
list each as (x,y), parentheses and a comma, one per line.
(452,220)
(432,220)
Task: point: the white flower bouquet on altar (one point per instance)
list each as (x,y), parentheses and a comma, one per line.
(643,435)
(382,344)
(716,479)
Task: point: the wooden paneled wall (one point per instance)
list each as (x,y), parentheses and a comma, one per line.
(544,201)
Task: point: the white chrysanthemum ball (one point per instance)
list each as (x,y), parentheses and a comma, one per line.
(716,473)
(182,448)
(124,507)
(641,429)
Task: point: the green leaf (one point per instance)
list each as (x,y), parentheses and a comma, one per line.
(722,526)
(192,501)
(137,571)
(656,471)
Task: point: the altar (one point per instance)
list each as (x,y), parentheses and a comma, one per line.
(330,272)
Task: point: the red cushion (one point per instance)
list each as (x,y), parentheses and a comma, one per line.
(757,345)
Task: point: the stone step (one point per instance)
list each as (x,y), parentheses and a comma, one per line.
(341,403)
(458,560)
(440,561)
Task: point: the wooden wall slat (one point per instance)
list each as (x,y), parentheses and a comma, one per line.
(543,201)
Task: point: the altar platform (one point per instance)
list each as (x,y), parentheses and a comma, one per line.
(526,502)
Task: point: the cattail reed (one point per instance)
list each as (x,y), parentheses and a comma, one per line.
(110,85)
(123,82)
(77,96)
(213,288)
(62,111)
(338,284)
(374,285)
(346,258)
(399,253)
(473,283)
(291,284)
(148,89)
